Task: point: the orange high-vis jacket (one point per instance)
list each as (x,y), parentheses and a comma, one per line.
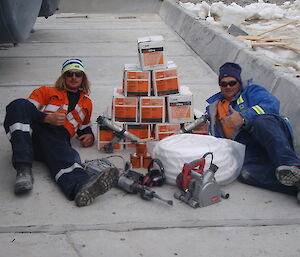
(49,99)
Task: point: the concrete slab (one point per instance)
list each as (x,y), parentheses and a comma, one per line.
(96,35)
(35,245)
(253,241)
(101,70)
(99,6)
(87,49)
(107,21)
(216,242)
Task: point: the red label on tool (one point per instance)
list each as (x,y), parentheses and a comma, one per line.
(214,199)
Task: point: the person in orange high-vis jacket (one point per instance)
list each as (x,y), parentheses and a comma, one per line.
(41,126)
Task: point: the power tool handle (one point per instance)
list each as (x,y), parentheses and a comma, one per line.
(193,164)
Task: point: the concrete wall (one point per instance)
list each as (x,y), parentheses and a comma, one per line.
(109,6)
(216,47)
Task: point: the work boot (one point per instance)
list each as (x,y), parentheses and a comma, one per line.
(24,179)
(95,186)
(288,175)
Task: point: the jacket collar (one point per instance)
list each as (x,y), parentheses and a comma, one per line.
(219,96)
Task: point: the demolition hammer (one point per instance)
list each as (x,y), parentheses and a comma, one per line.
(187,128)
(119,135)
(130,182)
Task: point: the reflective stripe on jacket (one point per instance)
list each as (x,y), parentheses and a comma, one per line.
(50,99)
(254,100)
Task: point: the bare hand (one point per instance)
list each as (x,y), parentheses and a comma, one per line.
(86,140)
(56,119)
(235,119)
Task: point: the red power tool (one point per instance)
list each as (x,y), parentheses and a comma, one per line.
(183,178)
(199,186)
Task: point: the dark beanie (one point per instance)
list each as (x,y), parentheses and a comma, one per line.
(230,69)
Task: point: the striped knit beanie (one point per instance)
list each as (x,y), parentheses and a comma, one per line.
(72,64)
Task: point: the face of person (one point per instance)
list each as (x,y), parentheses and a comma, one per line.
(229,87)
(73,80)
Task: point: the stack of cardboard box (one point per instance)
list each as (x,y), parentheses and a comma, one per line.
(149,103)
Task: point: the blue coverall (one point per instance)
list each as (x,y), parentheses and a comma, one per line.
(266,134)
(49,144)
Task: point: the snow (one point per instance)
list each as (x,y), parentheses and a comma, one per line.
(254,11)
(257,18)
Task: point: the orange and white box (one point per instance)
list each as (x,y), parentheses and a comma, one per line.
(142,131)
(136,82)
(180,108)
(152,52)
(152,109)
(165,130)
(125,109)
(165,81)
(105,135)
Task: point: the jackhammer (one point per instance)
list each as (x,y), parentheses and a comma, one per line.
(190,126)
(120,134)
(131,182)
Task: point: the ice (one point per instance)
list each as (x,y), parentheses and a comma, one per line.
(258,18)
(233,14)
(258,11)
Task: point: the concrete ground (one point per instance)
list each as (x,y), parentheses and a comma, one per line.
(252,222)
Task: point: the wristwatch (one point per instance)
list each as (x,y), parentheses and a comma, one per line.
(244,122)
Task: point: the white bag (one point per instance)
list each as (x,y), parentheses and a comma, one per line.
(174,151)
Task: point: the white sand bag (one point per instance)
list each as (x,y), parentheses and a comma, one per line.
(176,150)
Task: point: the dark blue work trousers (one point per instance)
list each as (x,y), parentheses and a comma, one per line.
(32,139)
(269,144)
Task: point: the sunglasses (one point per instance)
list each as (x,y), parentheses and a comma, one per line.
(229,83)
(70,74)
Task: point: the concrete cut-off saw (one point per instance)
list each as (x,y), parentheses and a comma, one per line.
(199,187)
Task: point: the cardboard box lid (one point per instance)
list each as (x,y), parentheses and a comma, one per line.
(179,98)
(132,67)
(150,38)
(125,100)
(152,101)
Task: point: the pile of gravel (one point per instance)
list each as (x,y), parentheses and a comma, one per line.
(239,2)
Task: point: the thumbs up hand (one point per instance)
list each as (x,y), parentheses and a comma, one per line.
(235,119)
(56,119)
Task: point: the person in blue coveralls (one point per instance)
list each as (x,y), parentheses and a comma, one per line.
(250,115)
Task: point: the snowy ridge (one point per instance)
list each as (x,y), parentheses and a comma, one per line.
(256,18)
(236,14)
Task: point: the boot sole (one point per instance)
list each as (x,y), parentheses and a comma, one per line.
(98,186)
(24,185)
(23,189)
(288,176)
